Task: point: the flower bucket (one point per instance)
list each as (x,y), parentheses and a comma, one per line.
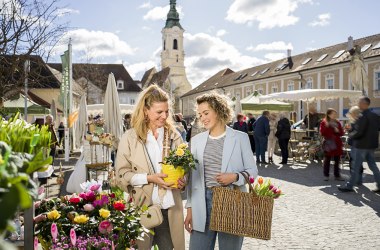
(173,174)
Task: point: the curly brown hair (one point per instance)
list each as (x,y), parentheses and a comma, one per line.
(220,104)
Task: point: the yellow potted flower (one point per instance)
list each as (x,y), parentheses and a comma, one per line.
(179,162)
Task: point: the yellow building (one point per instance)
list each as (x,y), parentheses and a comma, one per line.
(326,68)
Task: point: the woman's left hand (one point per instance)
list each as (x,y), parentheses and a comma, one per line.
(181,183)
(225,179)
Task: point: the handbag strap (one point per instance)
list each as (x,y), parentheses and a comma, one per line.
(165,144)
(246,177)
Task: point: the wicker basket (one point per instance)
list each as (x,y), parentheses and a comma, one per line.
(240,213)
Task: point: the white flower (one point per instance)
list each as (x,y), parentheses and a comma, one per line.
(86,186)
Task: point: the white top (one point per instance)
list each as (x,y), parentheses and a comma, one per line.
(155,148)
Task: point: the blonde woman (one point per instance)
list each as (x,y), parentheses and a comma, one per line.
(138,169)
(223,153)
(272,140)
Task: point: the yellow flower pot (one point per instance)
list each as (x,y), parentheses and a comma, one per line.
(173,174)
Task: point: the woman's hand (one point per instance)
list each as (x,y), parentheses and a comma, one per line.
(158,179)
(189,220)
(181,183)
(225,179)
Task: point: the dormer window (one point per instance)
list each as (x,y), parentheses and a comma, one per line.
(120,84)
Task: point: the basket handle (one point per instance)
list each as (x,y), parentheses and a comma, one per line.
(246,177)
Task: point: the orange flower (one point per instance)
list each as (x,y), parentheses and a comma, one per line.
(260,180)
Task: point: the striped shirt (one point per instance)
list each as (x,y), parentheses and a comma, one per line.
(212,159)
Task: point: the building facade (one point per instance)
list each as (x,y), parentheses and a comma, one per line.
(326,68)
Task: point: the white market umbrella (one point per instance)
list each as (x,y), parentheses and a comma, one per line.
(53,110)
(113,122)
(98,109)
(81,126)
(254,104)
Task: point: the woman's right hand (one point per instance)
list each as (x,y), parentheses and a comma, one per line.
(158,179)
(189,220)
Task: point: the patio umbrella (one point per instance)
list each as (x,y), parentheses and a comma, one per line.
(112,115)
(53,109)
(254,104)
(81,126)
(97,109)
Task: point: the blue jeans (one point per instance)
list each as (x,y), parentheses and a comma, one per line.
(261,143)
(359,156)
(207,239)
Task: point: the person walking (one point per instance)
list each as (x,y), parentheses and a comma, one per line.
(331,130)
(272,140)
(179,126)
(223,155)
(138,168)
(240,124)
(364,142)
(49,121)
(261,132)
(251,121)
(283,135)
(61,133)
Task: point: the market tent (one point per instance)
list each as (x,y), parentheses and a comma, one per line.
(97,109)
(311,95)
(17,105)
(254,104)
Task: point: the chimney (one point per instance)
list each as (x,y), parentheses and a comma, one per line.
(350,43)
(289,53)
(290,61)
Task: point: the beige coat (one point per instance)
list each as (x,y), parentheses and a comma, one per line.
(132,158)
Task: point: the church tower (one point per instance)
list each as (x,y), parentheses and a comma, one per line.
(173,54)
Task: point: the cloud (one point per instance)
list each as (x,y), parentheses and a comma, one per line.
(206,55)
(160,13)
(146,5)
(278,45)
(95,44)
(136,70)
(221,32)
(65,11)
(146,28)
(322,20)
(268,14)
(274,56)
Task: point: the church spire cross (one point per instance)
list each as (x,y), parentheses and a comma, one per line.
(173,16)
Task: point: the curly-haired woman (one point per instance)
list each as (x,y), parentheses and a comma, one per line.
(222,154)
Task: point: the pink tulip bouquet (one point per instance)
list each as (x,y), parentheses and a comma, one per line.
(264,187)
(91,220)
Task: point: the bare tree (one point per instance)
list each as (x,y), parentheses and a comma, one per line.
(27,28)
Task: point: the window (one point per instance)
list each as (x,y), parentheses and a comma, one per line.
(320,59)
(290,86)
(377,80)
(377,46)
(306,61)
(164,44)
(120,84)
(338,54)
(330,81)
(255,73)
(248,92)
(244,75)
(132,101)
(309,83)
(260,90)
(264,71)
(274,89)
(175,44)
(281,66)
(238,78)
(365,47)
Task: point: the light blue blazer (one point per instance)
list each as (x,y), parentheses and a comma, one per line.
(237,157)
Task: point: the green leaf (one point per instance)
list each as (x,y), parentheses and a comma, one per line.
(34,140)
(25,198)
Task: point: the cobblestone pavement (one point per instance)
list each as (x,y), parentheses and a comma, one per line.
(313,214)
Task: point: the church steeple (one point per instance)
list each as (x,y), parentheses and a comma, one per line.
(173,16)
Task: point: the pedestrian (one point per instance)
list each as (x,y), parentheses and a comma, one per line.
(184,123)
(61,133)
(261,133)
(195,129)
(353,115)
(179,126)
(311,121)
(138,168)
(127,122)
(251,121)
(49,121)
(240,124)
(223,155)
(283,135)
(332,145)
(364,143)
(272,140)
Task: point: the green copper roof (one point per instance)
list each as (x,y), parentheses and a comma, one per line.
(173,16)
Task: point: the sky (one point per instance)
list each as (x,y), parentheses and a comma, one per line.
(218,33)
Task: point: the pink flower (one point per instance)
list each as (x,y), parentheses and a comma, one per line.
(41,190)
(90,196)
(39,218)
(112,195)
(82,195)
(73,236)
(274,190)
(35,243)
(105,227)
(251,179)
(88,207)
(54,231)
(95,187)
(271,187)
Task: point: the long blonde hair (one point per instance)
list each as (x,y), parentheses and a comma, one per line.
(146,99)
